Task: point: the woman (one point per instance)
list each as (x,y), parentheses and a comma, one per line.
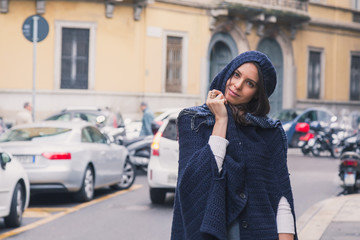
(233,181)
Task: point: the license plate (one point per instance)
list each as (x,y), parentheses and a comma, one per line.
(172,178)
(25,159)
(349,179)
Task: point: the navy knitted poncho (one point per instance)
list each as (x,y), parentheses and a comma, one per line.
(253,179)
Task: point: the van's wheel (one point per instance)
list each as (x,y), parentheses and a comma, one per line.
(127,178)
(157,195)
(86,192)
(17,207)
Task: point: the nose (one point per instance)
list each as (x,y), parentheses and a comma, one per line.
(239,83)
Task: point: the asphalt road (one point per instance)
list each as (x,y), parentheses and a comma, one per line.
(312,178)
(130,214)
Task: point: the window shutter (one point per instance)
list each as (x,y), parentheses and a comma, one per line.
(174,64)
(74,58)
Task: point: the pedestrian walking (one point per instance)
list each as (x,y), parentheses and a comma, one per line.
(233,180)
(147,119)
(24,116)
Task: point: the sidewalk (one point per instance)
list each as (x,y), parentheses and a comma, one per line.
(336,218)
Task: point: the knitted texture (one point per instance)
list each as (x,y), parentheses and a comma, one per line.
(254,178)
(254,175)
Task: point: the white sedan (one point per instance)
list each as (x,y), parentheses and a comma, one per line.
(163,164)
(69,156)
(14,190)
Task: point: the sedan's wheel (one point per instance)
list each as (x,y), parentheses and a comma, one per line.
(157,195)
(127,178)
(86,192)
(16,208)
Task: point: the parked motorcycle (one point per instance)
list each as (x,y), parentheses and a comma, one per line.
(139,150)
(325,139)
(304,139)
(350,144)
(349,171)
(304,142)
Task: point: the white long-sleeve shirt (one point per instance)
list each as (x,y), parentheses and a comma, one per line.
(284,218)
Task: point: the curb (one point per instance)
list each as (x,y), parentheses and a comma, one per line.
(314,222)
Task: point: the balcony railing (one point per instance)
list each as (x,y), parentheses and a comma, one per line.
(285,4)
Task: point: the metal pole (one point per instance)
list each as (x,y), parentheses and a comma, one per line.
(35,38)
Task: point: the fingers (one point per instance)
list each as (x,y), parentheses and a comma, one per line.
(211,95)
(216,103)
(215,94)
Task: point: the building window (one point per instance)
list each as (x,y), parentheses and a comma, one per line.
(355,78)
(356,4)
(74,58)
(356,17)
(314,75)
(173,80)
(74,55)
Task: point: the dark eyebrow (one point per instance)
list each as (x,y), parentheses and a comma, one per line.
(238,72)
(252,81)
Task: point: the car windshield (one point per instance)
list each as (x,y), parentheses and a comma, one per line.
(89,117)
(36,133)
(287,115)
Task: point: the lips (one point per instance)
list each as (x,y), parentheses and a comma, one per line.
(232,93)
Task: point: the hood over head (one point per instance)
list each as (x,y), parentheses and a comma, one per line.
(267,69)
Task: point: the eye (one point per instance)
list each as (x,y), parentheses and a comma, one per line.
(250,83)
(236,75)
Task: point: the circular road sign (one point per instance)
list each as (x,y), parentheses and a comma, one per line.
(28,28)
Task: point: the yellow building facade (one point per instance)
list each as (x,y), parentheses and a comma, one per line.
(119,53)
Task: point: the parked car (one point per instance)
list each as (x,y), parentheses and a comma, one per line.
(69,156)
(108,121)
(291,117)
(14,190)
(159,117)
(163,164)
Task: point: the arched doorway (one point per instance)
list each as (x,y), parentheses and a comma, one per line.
(220,56)
(272,49)
(222,50)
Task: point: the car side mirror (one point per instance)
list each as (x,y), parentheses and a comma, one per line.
(5,158)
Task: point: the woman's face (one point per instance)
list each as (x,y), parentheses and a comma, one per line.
(242,86)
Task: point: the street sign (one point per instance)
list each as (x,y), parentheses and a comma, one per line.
(42,28)
(35,29)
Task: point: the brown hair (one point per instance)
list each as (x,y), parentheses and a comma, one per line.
(258,106)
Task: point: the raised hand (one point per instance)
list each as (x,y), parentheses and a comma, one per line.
(216,103)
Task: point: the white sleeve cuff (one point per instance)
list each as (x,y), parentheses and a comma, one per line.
(218,146)
(284,218)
